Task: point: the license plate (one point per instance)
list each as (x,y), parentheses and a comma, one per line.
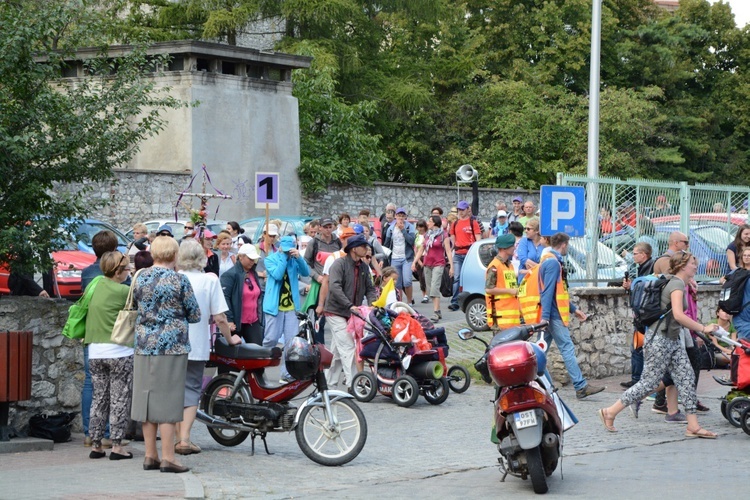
(525,419)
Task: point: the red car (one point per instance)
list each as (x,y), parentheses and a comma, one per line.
(731,222)
(68,267)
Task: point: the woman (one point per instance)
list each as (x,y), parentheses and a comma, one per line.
(234,230)
(433,254)
(665,351)
(191,260)
(344,221)
(242,292)
(530,247)
(226,258)
(111,365)
(418,266)
(735,248)
(142,260)
(166,304)
(212,259)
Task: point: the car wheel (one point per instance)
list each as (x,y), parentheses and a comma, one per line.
(476,315)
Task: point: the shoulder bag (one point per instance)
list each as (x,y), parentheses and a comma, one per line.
(75,326)
(123,333)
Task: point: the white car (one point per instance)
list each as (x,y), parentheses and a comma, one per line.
(178,227)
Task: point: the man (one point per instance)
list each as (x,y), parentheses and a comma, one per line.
(140,240)
(528,212)
(556,309)
(364,219)
(165,230)
(349,283)
(463,233)
(501,288)
(312,228)
(642,258)
(323,242)
(189,230)
(387,217)
(499,206)
(282,300)
(399,238)
(517,212)
(344,236)
(677,241)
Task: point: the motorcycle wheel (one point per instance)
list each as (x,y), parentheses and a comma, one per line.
(735,409)
(364,386)
(459,379)
(536,470)
(437,392)
(218,390)
(745,420)
(405,391)
(327,444)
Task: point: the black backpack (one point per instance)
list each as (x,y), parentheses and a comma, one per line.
(645,300)
(733,292)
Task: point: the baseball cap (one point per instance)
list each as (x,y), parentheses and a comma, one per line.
(164,227)
(502,213)
(505,241)
(347,232)
(462,205)
(326,221)
(249,251)
(358,229)
(272,230)
(287,243)
(518,199)
(401,210)
(208,234)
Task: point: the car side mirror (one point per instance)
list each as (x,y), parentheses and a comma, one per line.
(465,334)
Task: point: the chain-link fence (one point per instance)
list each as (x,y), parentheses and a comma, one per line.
(632,211)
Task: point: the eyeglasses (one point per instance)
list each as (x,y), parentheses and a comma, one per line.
(189,227)
(367,257)
(249,284)
(687,242)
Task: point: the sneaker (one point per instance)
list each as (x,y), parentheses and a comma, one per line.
(425,299)
(652,397)
(453,307)
(659,409)
(635,408)
(436,317)
(702,408)
(589,390)
(628,384)
(677,418)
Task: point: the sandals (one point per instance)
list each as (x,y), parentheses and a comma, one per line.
(604,419)
(700,433)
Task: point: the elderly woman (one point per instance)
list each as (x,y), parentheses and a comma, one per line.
(111,365)
(241,287)
(166,304)
(191,261)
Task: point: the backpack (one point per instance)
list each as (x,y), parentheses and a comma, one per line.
(733,292)
(645,300)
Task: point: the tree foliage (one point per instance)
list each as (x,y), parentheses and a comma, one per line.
(57,131)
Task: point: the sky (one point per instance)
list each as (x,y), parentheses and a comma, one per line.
(741,10)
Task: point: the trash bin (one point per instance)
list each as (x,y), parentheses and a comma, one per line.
(15,374)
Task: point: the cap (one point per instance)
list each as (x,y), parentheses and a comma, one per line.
(502,213)
(462,205)
(164,227)
(272,230)
(505,241)
(347,232)
(358,228)
(518,199)
(208,234)
(326,221)
(249,251)
(401,210)
(355,241)
(287,243)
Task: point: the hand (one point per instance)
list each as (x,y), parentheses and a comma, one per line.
(450,272)
(581,315)
(44,294)
(319,279)
(319,310)
(626,284)
(235,340)
(232,327)
(400,224)
(414,266)
(530,264)
(710,328)
(294,253)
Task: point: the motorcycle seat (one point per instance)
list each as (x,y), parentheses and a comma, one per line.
(245,351)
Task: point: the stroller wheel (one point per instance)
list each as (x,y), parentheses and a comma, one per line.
(458,379)
(437,392)
(735,409)
(724,408)
(405,391)
(745,420)
(364,386)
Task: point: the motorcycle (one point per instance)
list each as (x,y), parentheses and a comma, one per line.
(329,426)
(529,417)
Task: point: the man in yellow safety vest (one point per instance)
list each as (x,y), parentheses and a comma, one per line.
(501,288)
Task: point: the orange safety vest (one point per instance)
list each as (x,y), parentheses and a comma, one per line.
(530,292)
(503,311)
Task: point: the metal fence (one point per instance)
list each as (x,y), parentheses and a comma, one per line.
(635,210)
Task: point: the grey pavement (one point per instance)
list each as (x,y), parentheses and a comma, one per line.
(421,452)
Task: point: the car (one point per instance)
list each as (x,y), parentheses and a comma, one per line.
(729,223)
(289,225)
(178,226)
(471,298)
(708,244)
(89,227)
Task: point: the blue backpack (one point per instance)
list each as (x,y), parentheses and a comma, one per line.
(645,300)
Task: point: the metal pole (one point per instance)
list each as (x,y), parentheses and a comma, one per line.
(592,191)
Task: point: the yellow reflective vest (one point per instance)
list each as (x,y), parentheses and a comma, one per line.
(503,310)
(530,291)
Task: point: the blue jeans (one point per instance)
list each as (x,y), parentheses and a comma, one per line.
(285,323)
(458,261)
(403,266)
(636,363)
(558,332)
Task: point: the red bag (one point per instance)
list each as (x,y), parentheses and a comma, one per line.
(740,366)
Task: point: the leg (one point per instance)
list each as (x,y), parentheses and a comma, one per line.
(121,387)
(334,371)
(636,363)
(670,393)
(458,261)
(167,441)
(273,331)
(337,327)
(87,393)
(149,440)
(407,278)
(100,377)
(289,328)
(561,336)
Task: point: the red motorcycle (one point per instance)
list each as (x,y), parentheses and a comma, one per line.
(529,417)
(329,426)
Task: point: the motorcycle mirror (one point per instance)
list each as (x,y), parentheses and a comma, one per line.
(465,334)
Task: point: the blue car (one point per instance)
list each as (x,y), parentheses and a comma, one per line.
(289,225)
(89,227)
(709,245)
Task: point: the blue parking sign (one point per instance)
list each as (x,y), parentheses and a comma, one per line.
(562,209)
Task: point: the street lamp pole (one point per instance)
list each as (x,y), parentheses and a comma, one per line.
(592,170)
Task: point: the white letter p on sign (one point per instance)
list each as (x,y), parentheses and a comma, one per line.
(563,209)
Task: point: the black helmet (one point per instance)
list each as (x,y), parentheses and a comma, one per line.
(301,359)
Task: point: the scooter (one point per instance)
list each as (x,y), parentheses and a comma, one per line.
(529,417)
(329,426)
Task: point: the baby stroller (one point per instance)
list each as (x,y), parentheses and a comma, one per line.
(735,406)
(402,360)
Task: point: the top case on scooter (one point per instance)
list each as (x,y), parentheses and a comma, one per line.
(512,364)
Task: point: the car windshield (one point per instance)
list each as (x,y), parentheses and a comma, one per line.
(716,238)
(86,231)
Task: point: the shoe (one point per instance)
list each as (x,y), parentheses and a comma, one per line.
(702,408)
(436,317)
(97,454)
(425,299)
(628,384)
(700,433)
(635,408)
(150,463)
(87,441)
(587,391)
(167,466)
(119,456)
(652,397)
(413,303)
(188,449)
(677,418)
(659,409)
(453,307)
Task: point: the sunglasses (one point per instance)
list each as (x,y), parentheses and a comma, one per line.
(249,284)
(367,257)
(189,227)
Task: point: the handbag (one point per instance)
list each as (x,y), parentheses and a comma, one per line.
(123,333)
(55,426)
(446,283)
(75,326)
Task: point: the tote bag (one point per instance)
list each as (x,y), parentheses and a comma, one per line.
(123,333)
(75,326)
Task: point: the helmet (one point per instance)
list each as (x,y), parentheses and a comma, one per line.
(301,358)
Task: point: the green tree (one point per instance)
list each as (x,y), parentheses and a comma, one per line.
(56,130)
